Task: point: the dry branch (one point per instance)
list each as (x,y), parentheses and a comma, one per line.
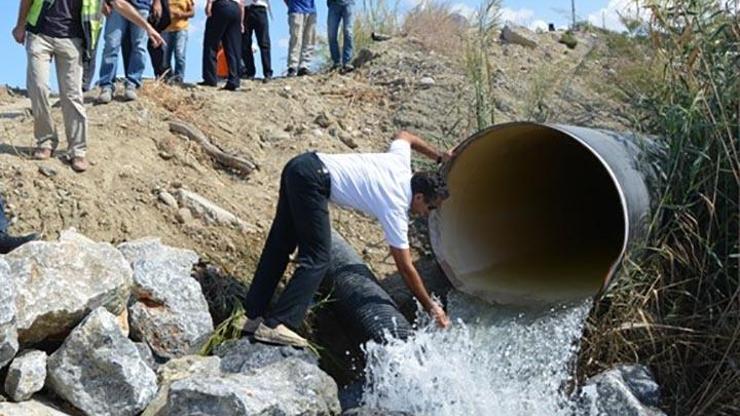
(237,163)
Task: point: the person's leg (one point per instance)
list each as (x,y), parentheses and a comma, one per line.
(348,30)
(137,59)
(295,24)
(309,39)
(247,56)
(215,28)
(332,24)
(180,47)
(232,41)
(88,71)
(170,39)
(68,57)
(114,28)
(281,242)
(39,52)
(310,210)
(262,29)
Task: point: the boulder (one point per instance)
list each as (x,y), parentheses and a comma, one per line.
(243,356)
(626,390)
(178,369)
(169,311)
(31,408)
(8,330)
(100,371)
(26,375)
(515,36)
(288,387)
(207,210)
(59,283)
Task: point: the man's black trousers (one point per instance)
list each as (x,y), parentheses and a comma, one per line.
(224,26)
(302,220)
(256,21)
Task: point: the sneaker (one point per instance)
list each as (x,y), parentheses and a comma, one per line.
(9,243)
(130,93)
(106,95)
(303,72)
(291,72)
(207,84)
(80,164)
(280,335)
(267,79)
(230,87)
(246,325)
(335,67)
(348,68)
(42,153)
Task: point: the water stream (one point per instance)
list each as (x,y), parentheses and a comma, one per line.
(493,361)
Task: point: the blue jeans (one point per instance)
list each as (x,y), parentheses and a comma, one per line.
(116,28)
(177,43)
(340,12)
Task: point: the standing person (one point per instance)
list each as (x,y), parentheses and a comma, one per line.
(340,11)
(159,21)
(224,25)
(117,27)
(302,25)
(378,184)
(65,31)
(176,36)
(256,20)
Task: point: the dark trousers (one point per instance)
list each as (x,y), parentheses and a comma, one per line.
(256,21)
(223,27)
(3,218)
(302,219)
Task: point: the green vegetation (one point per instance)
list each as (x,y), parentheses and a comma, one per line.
(380,16)
(677,306)
(569,40)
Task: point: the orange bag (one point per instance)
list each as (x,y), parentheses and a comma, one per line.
(222,66)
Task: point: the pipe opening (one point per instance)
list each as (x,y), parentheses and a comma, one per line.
(534,216)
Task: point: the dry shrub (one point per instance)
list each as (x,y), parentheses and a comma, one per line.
(437,27)
(677,306)
(379,16)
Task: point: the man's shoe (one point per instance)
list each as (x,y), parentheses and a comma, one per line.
(303,72)
(291,72)
(129,94)
(80,164)
(280,335)
(267,79)
(207,84)
(230,87)
(347,68)
(335,67)
(8,243)
(42,153)
(246,325)
(106,95)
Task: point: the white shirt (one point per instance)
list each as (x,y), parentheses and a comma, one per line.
(378,184)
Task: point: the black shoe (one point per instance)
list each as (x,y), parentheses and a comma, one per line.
(207,84)
(230,87)
(347,68)
(9,243)
(335,67)
(303,72)
(291,72)
(266,79)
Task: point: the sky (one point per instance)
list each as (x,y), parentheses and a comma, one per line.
(531,13)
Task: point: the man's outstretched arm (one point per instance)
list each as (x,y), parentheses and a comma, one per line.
(129,12)
(405,266)
(421,146)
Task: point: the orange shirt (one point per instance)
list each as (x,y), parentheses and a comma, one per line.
(181,6)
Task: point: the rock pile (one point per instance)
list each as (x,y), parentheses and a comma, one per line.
(87,295)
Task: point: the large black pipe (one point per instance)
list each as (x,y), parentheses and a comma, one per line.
(543,213)
(357,299)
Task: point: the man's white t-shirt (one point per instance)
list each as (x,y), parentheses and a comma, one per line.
(378,184)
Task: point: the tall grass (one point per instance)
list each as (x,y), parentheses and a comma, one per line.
(437,27)
(678,307)
(382,16)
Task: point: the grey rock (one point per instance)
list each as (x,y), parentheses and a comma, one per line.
(275,136)
(8,330)
(363,57)
(100,371)
(146,354)
(211,213)
(288,387)
(515,36)
(168,199)
(58,283)
(619,392)
(169,311)
(184,216)
(26,375)
(178,369)
(323,120)
(426,82)
(243,356)
(30,408)
(363,411)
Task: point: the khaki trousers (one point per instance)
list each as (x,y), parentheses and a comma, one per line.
(67,55)
(302,39)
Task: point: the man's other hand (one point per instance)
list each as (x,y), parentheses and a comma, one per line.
(440,317)
(19,34)
(155,38)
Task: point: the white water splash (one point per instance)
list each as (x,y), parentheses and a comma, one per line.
(492,361)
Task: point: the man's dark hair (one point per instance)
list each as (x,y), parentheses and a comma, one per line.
(429,184)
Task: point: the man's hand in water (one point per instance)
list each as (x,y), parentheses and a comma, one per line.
(440,317)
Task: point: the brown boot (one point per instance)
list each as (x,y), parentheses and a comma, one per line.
(42,153)
(80,164)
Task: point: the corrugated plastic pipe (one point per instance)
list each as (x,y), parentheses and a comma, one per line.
(542,213)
